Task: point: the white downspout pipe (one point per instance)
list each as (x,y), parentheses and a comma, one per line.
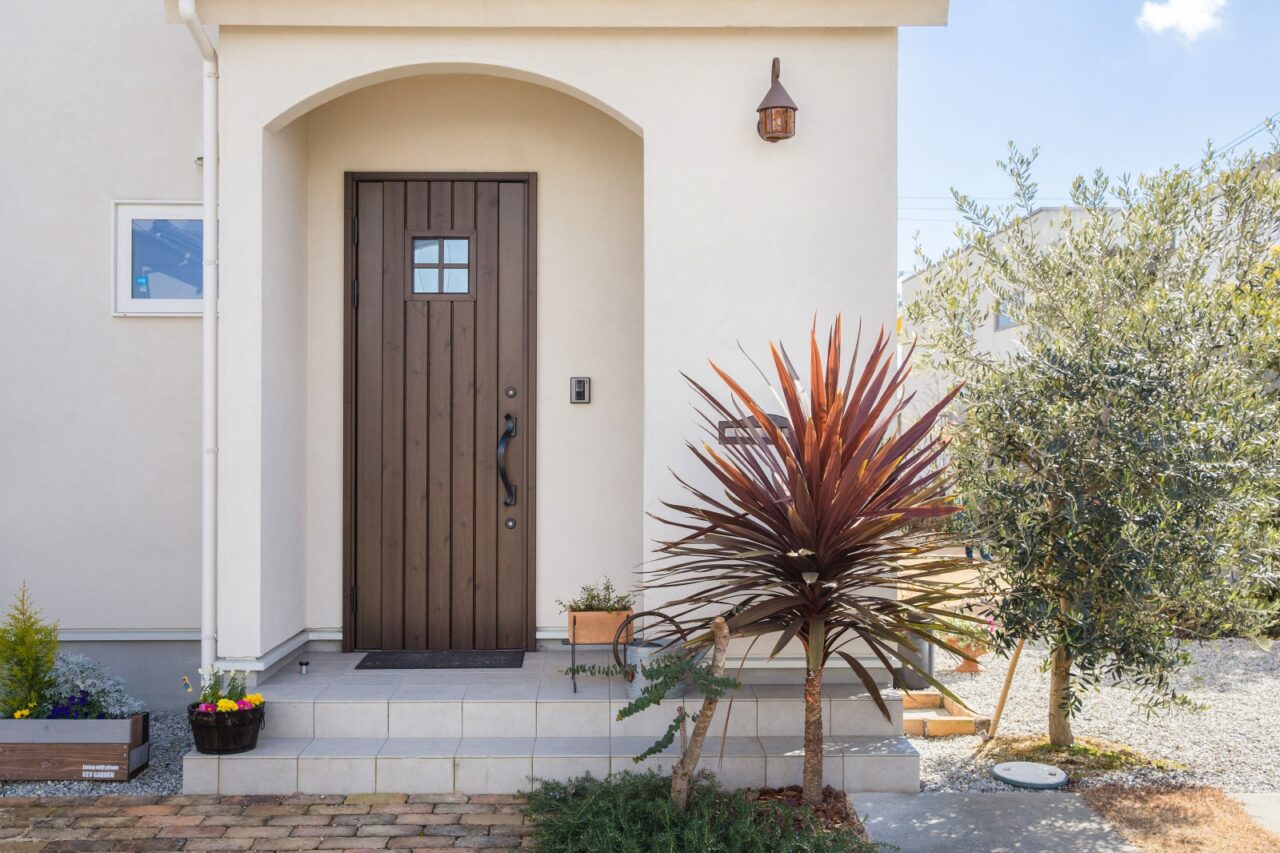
(209,328)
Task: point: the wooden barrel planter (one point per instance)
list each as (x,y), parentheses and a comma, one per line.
(62,750)
(225,732)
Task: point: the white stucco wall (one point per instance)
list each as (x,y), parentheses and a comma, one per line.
(743,241)
(668,232)
(100,419)
(590,306)
(285,267)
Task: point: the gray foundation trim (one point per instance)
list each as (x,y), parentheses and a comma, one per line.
(86,635)
(152,670)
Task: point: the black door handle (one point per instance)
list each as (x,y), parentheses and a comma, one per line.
(508,434)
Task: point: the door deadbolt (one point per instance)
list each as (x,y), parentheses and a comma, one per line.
(510,524)
(511,391)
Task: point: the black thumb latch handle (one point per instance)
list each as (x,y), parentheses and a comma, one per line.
(507,435)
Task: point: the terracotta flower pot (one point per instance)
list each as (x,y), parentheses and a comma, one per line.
(598,626)
(971,665)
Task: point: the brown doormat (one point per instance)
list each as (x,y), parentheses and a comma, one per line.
(457,659)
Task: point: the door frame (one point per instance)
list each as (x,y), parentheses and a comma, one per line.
(528,429)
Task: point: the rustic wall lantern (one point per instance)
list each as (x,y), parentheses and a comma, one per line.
(777,110)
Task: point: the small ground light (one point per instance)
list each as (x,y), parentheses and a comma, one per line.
(303,666)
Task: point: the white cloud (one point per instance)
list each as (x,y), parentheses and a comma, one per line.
(1191,18)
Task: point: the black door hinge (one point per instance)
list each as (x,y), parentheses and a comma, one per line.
(355,293)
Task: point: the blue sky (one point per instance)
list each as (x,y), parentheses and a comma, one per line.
(1094,83)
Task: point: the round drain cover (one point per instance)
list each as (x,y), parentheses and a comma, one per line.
(1029,774)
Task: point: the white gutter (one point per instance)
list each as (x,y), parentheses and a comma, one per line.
(209,328)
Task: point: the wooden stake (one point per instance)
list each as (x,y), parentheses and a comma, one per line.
(1004,691)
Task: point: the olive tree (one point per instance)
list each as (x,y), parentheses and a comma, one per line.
(1120,461)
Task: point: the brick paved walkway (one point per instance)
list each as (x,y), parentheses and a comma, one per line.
(363,822)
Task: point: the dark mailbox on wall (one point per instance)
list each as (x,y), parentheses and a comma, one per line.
(748,430)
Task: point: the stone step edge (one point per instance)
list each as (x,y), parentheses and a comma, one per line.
(778,746)
(927,713)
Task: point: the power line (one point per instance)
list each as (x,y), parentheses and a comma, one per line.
(1249,134)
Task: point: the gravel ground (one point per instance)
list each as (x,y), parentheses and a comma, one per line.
(170,739)
(1232,743)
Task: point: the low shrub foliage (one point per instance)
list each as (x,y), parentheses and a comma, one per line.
(85,689)
(633,813)
(596,598)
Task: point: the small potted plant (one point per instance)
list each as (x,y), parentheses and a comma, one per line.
(972,638)
(227,718)
(597,612)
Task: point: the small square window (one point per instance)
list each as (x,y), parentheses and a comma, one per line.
(426,280)
(455,280)
(440,264)
(455,251)
(159,259)
(426,250)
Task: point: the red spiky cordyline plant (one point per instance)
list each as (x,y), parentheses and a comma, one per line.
(826,527)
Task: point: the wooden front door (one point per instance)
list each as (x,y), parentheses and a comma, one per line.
(439,412)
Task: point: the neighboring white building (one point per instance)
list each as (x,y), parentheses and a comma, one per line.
(997,334)
(526,193)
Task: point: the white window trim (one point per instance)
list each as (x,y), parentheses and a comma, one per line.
(123,304)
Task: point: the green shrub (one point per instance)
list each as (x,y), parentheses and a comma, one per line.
(592,598)
(28,652)
(76,675)
(633,813)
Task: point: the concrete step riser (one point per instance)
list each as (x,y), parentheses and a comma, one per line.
(578,718)
(746,763)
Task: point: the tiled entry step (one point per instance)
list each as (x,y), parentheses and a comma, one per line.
(549,709)
(504,765)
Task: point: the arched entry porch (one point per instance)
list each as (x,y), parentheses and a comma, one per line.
(584,280)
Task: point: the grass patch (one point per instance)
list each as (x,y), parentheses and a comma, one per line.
(633,813)
(1086,757)
(1180,820)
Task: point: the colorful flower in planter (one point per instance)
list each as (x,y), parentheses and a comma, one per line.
(77,706)
(22,713)
(225,691)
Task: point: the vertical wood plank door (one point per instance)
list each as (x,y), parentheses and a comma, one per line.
(439,475)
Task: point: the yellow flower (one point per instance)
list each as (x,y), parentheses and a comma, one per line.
(22,713)
(226,705)
(255,698)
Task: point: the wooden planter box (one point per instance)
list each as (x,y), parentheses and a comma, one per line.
(598,626)
(60,750)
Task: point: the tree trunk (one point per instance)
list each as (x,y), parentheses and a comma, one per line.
(813,741)
(689,760)
(1059,678)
